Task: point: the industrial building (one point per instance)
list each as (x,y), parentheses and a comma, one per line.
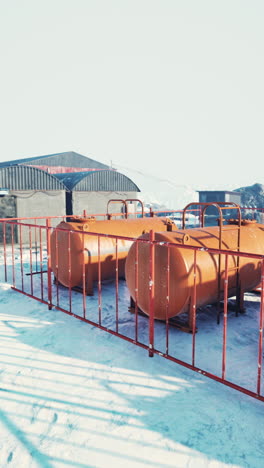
(91,191)
(60,184)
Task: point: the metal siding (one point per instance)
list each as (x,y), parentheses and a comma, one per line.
(71,179)
(235,198)
(28,178)
(109,181)
(69,158)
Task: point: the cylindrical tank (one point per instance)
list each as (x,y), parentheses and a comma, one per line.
(71,250)
(181,265)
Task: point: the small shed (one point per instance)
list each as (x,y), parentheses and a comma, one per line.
(224,196)
(206,196)
(91,191)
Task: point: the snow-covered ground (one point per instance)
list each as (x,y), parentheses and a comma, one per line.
(73,395)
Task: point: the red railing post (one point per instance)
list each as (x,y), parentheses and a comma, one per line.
(21,257)
(99,282)
(116,282)
(225,318)
(41,263)
(30,260)
(4,241)
(48,234)
(69,270)
(57,265)
(151,291)
(13,256)
(83,277)
(136,293)
(261,320)
(168,299)
(193,306)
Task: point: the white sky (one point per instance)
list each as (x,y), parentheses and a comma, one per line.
(173,88)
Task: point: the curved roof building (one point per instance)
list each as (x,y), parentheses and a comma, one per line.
(23,178)
(80,183)
(96,181)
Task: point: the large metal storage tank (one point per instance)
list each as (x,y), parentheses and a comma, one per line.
(181,265)
(71,248)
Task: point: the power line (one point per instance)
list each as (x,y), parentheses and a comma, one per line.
(151,176)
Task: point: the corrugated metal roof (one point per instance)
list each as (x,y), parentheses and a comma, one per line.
(98,181)
(67,159)
(28,178)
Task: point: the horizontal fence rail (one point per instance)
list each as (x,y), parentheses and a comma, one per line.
(32,263)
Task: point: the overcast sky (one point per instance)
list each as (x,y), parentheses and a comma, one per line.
(172,88)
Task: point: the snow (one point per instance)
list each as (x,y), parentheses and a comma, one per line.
(160,192)
(168,192)
(74,395)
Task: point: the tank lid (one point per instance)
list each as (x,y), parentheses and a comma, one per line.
(248,222)
(79,219)
(244,222)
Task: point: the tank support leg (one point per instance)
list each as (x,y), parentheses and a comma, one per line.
(131,308)
(191,318)
(218,312)
(89,284)
(240,300)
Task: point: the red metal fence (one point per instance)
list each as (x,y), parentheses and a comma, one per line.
(26,265)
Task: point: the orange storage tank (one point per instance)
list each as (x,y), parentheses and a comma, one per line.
(181,266)
(71,248)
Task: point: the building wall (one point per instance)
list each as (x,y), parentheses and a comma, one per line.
(234,198)
(96,202)
(31,203)
(48,203)
(7,210)
(7,206)
(211,197)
